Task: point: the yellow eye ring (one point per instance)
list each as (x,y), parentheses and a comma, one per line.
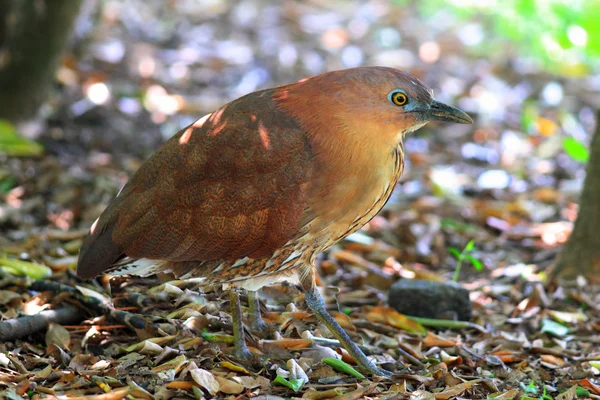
(398,98)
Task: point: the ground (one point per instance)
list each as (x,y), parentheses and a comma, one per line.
(507,183)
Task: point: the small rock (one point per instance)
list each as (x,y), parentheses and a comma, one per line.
(429,299)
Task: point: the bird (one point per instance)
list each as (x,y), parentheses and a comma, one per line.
(251,193)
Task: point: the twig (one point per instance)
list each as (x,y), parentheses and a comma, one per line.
(21,327)
(447,323)
(134,321)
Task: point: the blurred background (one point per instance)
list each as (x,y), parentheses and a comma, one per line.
(136,71)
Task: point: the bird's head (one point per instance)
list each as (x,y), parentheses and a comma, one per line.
(377,103)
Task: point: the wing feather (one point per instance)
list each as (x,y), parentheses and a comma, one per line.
(233,186)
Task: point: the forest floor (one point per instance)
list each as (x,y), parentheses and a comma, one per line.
(500,194)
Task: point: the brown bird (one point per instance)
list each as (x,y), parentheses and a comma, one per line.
(250,194)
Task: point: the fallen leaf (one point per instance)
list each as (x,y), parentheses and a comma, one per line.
(314,394)
(233,367)
(554,328)
(550,359)
(115,394)
(567,317)
(389,316)
(456,390)
(206,380)
(228,386)
(6,296)
(569,394)
(58,335)
(508,395)
(175,364)
(17,267)
(341,366)
(432,340)
(294,384)
(588,385)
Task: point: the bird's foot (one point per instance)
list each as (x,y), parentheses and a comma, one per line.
(242,353)
(380,372)
(259,327)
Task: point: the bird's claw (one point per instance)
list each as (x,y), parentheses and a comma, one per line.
(243,354)
(381,372)
(259,328)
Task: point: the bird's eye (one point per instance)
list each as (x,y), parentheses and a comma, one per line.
(398,98)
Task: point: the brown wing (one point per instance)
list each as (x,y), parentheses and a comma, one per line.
(227,187)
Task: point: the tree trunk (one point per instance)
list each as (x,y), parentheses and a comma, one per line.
(581,255)
(33,34)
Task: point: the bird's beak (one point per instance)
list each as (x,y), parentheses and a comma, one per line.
(442,112)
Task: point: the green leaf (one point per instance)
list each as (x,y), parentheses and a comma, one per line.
(454,251)
(14,145)
(7,184)
(595,364)
(529,388)
(448,223)
(341,366)
(470,246)
(576,150)
(294,384)
(18,267)
(545,396)
(554,328)
(582,392)
(478,265)
(214,337)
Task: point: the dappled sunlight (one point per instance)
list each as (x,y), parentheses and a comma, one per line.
(160,103)
(264,136)
(185,137)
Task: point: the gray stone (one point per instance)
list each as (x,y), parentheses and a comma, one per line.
(429,299)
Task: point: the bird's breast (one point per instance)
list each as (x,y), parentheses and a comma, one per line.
(350,197)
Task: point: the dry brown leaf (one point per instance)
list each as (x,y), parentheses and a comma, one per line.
(421,395)
(6,296)
(252,382)
(550,359)
(206,380)
(58,335)
(115,394)
(314,394)
(175,364)
(44,373)
(82,361)
(456,390)
(451,361)
(183,385)
(432,340)
(508,395)
(233,367)
(508,357)
(569,394)
(344,321)
(229,386)
(389,316)
(290,344)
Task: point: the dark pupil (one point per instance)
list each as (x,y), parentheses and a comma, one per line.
(399,98)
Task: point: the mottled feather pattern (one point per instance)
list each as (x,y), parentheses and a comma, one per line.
(237,196)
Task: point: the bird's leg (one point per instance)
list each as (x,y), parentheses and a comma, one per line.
(240,349)
(256,322)
(317,305)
